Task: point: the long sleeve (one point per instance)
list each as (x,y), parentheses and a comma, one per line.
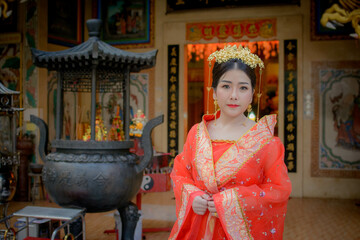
(260,207)
(184,186)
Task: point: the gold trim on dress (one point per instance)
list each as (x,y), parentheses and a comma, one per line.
(186,190)
(204,163)
(222,141)
(234,219)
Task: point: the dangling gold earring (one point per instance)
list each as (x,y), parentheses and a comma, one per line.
(215,109)
(249,109)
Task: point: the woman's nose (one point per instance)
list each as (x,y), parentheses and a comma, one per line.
(234,94)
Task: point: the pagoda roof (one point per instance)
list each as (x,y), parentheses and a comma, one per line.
(5,90)
(93,51)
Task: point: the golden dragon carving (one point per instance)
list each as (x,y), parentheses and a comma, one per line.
(344,11)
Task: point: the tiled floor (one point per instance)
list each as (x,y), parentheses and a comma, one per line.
(307,219)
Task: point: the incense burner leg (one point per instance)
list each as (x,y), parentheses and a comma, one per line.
(129,218)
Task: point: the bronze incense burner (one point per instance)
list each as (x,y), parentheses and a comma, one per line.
(96,175)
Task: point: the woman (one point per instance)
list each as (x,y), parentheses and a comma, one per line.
(230,181)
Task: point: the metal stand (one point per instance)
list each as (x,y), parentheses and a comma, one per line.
(68,215)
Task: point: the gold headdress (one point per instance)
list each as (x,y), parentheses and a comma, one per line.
(233,52)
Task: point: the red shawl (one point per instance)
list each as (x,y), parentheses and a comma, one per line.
(247,179)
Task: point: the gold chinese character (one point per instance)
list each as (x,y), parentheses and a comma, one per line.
(173,62)
(208,31)
(173,79)
(290,66)
(291,88)
(290,117)
(290,147)
(173,97)
(290,156)
(290,127)
(172,152)
(172,134)
(172,143)
(173,106)
(173,52)
(222,31)
(290,107)
(291,165)
(237,30)
(172,88)
(290,137)
(291,76)
(290,57)
(173,70)
(290,46)
(173,116)
(291,98)
(172,125)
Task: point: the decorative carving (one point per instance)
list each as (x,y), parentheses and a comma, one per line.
(65,178)
(92,158)
(100,179)
(81,180)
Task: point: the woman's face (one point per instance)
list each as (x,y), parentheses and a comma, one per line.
(234,93)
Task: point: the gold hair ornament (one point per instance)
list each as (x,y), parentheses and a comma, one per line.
(244,54)
(232,52)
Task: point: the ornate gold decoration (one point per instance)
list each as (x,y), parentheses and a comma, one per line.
(344,12)
(4,13)
(233,52)
(249,109)
(215,104)
(215,109)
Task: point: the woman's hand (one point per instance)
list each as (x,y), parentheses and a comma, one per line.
(211,207)
(200,204)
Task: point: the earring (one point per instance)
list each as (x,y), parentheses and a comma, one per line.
(249,109)
(215,105)
(215,109)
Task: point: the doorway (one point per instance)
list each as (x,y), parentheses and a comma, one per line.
(199,99)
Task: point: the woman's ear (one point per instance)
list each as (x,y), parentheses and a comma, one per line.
(252,97)
(214,93)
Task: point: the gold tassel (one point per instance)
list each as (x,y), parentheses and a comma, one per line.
(258,97)
(208,90)
(215,109)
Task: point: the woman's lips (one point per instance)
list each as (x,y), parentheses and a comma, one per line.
(232,105)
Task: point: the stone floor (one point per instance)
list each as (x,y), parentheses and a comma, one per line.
(307,218)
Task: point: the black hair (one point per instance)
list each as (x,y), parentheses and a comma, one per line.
(221,68)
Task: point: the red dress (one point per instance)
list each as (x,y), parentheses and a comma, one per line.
(247,179)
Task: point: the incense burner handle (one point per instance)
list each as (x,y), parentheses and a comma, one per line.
(146,142)
(44,138)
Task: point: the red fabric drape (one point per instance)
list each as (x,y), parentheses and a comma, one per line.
(248,181)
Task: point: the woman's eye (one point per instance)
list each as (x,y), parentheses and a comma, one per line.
(225,86)
(244,88)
